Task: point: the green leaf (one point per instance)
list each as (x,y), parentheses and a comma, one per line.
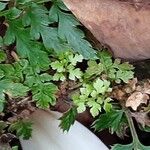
(75,59)
(14,71)
(45,77)
(93,69)
(44,95)
(59,76)
(116,71)
(57,65)
(81,107)
(11,88)
(68,31)
(101,86)
(23,128)
(13,13)
(105,59)
(17,90)
(2,56)
(86,89)
(37,17)
(95,108)
(2,6)
(125,76)
(107,105)
(68,119)
(75,73)
(111,119)
(61,5)
(25,47)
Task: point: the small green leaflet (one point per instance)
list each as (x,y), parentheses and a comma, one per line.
(23,128)
(111,119)
(58,65)
(68,119)
(95,107)
(59,77)
(75,73)
(93,69)
(74,59)
(102,86)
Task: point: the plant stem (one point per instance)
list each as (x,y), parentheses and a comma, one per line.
(132,129)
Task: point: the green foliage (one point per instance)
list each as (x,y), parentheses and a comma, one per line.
(111,119)
(68,119)
(44,94)
(26,48)
(94,89)
(116,70)
(23,128)
(29,20)
(93,95)
(68,31)
(65,66)
(48,46)
(39,84)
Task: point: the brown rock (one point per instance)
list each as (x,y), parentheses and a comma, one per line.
(123,25)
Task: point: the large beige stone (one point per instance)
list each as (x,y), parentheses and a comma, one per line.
(121,25)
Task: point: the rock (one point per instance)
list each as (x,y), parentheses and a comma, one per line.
(122,25)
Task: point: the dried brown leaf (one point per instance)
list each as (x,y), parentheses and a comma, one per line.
(142,118)
(147,87)
(136,99)
(131,86)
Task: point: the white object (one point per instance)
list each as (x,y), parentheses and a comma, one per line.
(48,136)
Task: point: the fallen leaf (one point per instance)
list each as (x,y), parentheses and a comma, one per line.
(118,94)
(147,87)
(131,86)
(136,99)
(142,118)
